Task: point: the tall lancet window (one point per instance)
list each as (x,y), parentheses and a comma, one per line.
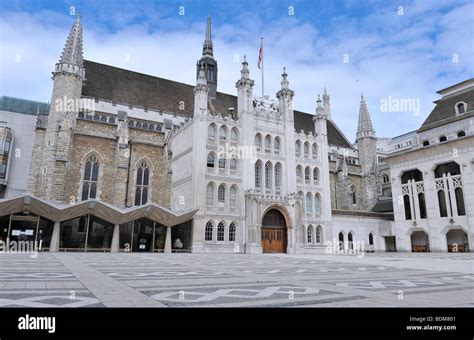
(258,175)
(268,176)
(142,184)
(90,181)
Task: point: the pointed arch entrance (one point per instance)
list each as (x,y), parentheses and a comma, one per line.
(274,232)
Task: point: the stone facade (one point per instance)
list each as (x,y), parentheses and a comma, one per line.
(236,160)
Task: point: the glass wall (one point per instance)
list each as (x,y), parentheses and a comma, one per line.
(181,237)
(99,235)
(73,234)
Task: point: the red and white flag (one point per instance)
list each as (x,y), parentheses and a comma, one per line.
(260,54)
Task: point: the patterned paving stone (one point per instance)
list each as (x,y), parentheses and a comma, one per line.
(269,280)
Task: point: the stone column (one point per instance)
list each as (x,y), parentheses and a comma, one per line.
(168,240)
(54,245)
(115,247)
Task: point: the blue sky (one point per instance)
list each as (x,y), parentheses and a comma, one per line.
(398,49)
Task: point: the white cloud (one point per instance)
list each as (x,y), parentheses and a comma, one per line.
(408,56)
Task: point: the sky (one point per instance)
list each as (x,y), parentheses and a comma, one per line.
(392,51)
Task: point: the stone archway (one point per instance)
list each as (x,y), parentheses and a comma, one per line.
(419,242)
(274,237)
(457,241)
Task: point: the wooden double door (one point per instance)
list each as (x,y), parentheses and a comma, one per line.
(274,240)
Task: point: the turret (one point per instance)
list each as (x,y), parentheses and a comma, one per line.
(207,62)
(285,97)
(68,76)
(366,142)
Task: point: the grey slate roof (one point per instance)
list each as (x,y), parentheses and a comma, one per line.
(113,84)
(444,111)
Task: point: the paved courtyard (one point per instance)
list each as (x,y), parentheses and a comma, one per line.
(267,280)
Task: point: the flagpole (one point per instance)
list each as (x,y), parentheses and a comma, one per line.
(263,87)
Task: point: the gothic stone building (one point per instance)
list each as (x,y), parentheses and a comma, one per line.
(133,162)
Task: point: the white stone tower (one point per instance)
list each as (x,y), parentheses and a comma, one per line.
(320,128)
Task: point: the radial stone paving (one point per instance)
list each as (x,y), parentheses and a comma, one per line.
(267,280)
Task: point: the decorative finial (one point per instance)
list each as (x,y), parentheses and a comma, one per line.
(284,70)
(245,58)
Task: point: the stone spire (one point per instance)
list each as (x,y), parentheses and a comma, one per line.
(326,103)
(72,53)
(207,46)
(319,108)
(285,91)
(244,72)
(365,128)
(208,62)
(284,80)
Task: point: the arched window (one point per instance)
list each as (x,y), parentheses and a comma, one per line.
(208,231)
(315,150)
(234,135)
(233,196)
(319,234)
(306,150)
(232,232)
(309,233)
(353,195)
(426,143)
(90,180)
(350,240)
(443,211)
(278,177)
(317,203)
(258,141)
(142,182)
(223,133)
(211,131)
(298,148)
(442,139)
(385,179)
(371,239)
(211,159)
(221,193)
(448,176)
(233,164)
(422,204)
(460,108)
(299,173)
(309,203)
(268,176)
(406,204)
(315,174)
(220,231)
(307,174)
(461,134)
(341,241)
(277,145)
(268,143)
(222,161)
(460,201)
(210,194)
(258,174)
